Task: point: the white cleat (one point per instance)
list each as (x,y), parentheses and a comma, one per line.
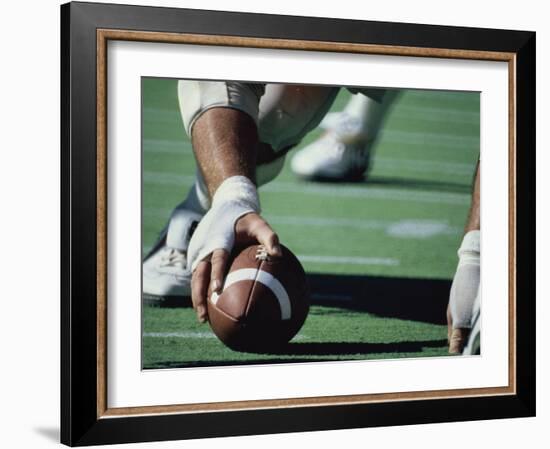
(165,271)
(341,154)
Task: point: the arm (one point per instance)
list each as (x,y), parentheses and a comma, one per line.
(474,220)
(465,284)
(225,142)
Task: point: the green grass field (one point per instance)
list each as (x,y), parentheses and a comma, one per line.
(380,254)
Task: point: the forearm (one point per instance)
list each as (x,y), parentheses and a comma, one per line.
(225,143)
(220,118)
(474,221)
(465,286)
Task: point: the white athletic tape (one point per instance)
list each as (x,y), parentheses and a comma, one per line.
(469,250)
(239,189)
(465,286)
(235,197)
(265,278)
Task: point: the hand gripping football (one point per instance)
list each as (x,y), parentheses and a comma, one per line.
(264,301)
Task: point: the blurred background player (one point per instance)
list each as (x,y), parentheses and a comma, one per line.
(344,152)
(241,133)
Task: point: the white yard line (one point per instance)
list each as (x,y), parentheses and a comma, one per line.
(165,146)
(160,115)
(188,334)
(404,228)
(368,192)
(431,114)
(424,166)
(431,95)
(441,140)
(410,165)
(355,223)
(197,334)
(348,260)
(434,114)
(328,191)
(444,141)
(167,178)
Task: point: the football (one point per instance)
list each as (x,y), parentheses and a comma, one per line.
(264,301)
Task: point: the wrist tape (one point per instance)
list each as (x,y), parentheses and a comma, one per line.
(239,190)
(469,250)
(466,281)
(235,197)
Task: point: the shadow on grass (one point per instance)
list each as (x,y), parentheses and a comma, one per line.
(204,363)
(419,184)
(422,300)
(329,351)
(413,184)
(356,348)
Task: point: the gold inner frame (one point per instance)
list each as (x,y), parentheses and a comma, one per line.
(104,35)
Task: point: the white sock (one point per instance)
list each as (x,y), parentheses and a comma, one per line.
(358,106)
(369,113)
(197,199)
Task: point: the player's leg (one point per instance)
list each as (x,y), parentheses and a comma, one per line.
(288,112)
(345,149)
(463,306)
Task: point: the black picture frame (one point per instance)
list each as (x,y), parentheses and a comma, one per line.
(81,421)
